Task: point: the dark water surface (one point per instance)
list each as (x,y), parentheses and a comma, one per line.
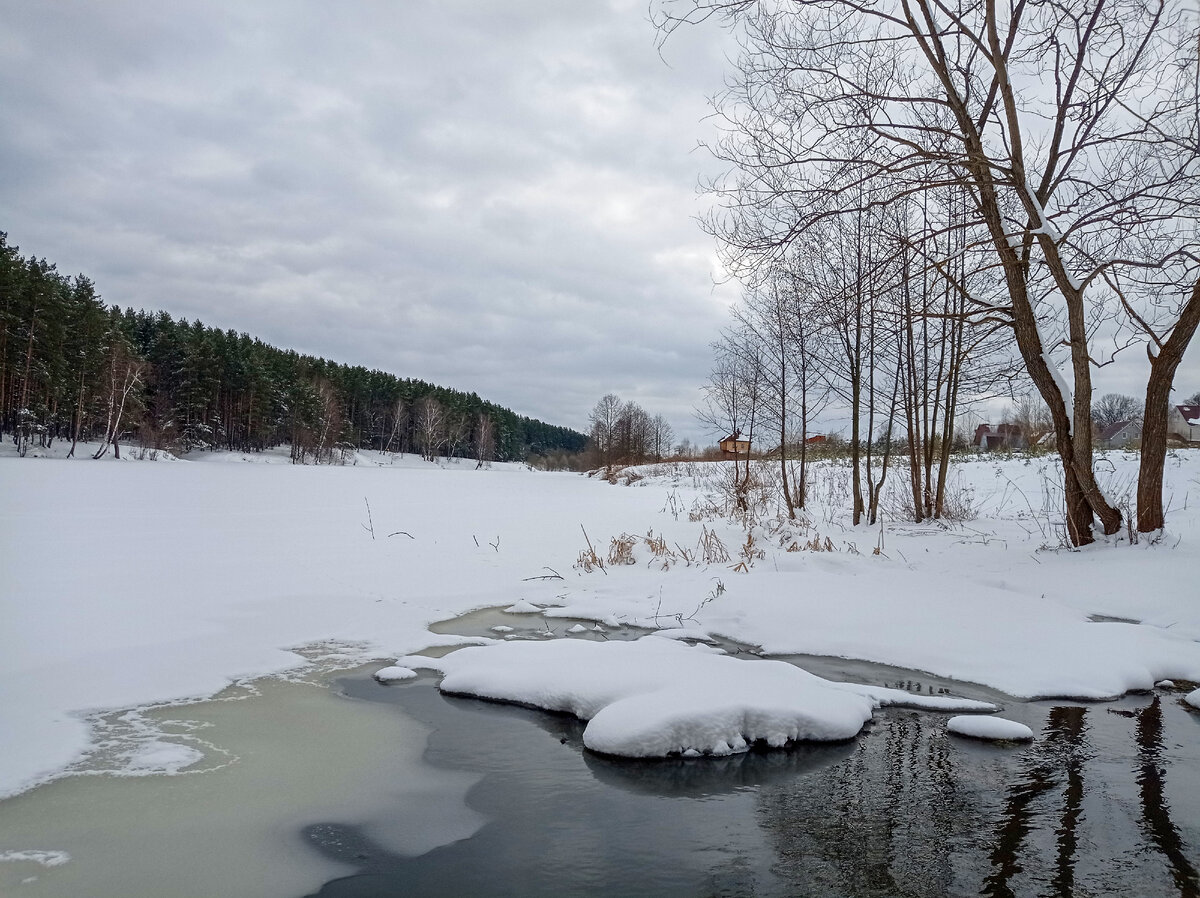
(1106,801)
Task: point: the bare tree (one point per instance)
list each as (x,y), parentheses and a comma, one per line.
(124,377)
(399,416)
(1114,408)
(603,425)
(633,434)
(430,427)
(661,435)
(1032,418)
(485,440)
(733,399)
(1072,126)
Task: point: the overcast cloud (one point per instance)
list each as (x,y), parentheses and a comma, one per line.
(497,197)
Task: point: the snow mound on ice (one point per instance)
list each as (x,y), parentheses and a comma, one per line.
(394,674)
(978,726)
(523,607)
(1193,698)
(657,697)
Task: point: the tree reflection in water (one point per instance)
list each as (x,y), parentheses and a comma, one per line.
(1056,762)
(878,824)
(913,812)
(1156,814)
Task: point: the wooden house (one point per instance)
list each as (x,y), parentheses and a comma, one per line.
(733,446)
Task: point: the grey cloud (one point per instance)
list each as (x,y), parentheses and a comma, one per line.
(497,197)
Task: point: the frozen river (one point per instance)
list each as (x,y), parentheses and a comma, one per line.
(335,785)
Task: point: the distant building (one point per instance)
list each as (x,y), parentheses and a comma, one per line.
(1184,422)
(733,446)
(1000,436)
(1120,435)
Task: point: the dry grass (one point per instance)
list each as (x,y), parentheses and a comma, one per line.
(749,553)
(588,560)
(710,549)
(620,549)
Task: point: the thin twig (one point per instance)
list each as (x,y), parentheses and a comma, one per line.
(371,524)
(553,575)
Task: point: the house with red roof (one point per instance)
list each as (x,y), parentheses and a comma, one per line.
(1183,421)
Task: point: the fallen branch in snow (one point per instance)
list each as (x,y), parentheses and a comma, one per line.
(553,575)
(401,533)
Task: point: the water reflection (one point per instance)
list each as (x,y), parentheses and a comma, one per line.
(706,777)
(556,826)
(1055,763)
(1105,801)
(1156,813)
(1083,811)
(880,824)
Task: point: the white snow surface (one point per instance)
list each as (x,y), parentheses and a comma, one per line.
(655,697)
(395,674)
(1193,698)
(981,726)
(128,583)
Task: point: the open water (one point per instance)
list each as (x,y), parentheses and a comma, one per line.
(337,785)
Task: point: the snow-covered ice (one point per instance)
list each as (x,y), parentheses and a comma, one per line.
(983,726)
(1193,698)
(654,697)
(129,583)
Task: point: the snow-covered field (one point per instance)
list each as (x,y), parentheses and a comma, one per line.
(130,582)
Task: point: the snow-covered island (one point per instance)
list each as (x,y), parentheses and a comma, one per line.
(654,697)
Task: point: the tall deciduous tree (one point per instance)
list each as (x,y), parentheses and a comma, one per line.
(1071,125)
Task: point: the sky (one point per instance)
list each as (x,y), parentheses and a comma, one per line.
(496,197)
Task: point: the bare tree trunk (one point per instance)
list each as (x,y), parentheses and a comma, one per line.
(780,333)
(802,485)
(78,418)
(1150,515)
(129,376)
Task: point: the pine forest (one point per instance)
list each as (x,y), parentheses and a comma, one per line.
(73,368)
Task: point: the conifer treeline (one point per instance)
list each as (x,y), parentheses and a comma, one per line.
(72,368)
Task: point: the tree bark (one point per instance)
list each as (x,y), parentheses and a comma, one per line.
(1150,514)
